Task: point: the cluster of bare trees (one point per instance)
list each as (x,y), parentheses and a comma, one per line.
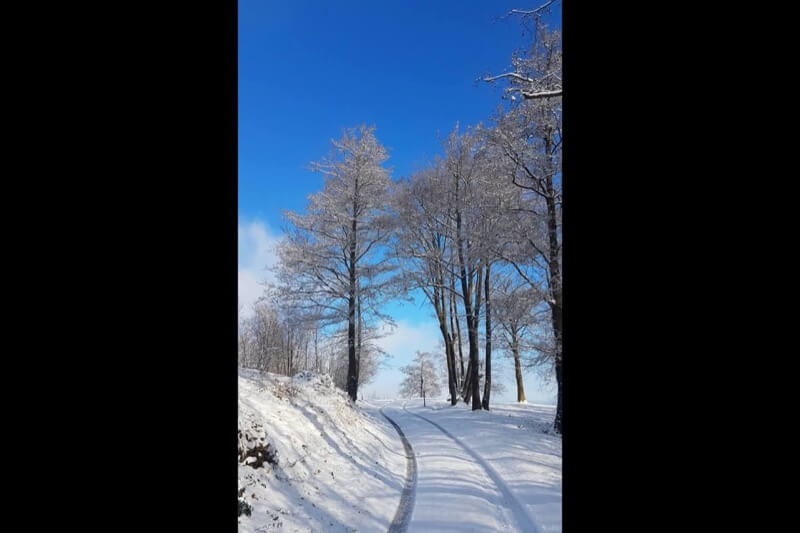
(275,339)
(478,232)
(473,234)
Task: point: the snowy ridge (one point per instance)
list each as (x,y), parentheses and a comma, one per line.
(336,467)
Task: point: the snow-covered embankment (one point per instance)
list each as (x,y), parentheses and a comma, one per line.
(325,465)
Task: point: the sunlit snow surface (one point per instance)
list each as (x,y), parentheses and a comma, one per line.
(343,469)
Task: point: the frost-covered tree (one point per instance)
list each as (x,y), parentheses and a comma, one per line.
(463,164)
(495,202)
(368,354)
(424,242)
(529,137)
(455,327)
(450,221)
(261,338)
(332,260)
(520,311)
(275,338)
(535,75)
(421,378)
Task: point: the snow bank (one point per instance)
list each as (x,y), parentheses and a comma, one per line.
(326,465)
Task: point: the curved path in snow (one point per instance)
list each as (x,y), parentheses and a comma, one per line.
(521,517)
(449,487)
(402,518)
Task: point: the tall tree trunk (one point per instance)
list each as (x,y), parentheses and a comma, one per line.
(359,333)
(422,383)
(448,341)
(558,425)
(316,349)
(487,381)
(288,350)
(466,388)
(473,394)
(456,329)
(352,381)
(451,371)
(476,313)
(472,333)
(517,365)
(352,377)
(452,363)
(456,372)
(554,281)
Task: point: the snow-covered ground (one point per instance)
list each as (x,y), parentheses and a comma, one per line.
(491,470)
(343,468)
(338,468)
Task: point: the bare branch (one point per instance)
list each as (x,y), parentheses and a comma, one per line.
(536,11)
(541,94)
(514,75)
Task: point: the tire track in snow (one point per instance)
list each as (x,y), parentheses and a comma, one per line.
(403,516)
(524,520)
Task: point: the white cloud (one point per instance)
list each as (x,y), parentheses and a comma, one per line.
(256,253)
(402,342)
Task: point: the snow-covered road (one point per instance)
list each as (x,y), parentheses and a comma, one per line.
(335,468)
(481,471)
(402,517)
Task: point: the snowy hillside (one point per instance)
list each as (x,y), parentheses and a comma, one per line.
(334,468)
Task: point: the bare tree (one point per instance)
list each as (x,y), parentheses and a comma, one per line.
(274,339)
(266,337)
(495,201)
(463,160)
(421,378)
(369,355)
(455,327)
(487,380)
(331,260)
(520,314)
(535,75)
(424,241)
(529,137)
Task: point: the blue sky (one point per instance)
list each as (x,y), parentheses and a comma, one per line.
(309,69)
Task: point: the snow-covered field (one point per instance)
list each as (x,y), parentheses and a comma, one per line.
(341,468)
